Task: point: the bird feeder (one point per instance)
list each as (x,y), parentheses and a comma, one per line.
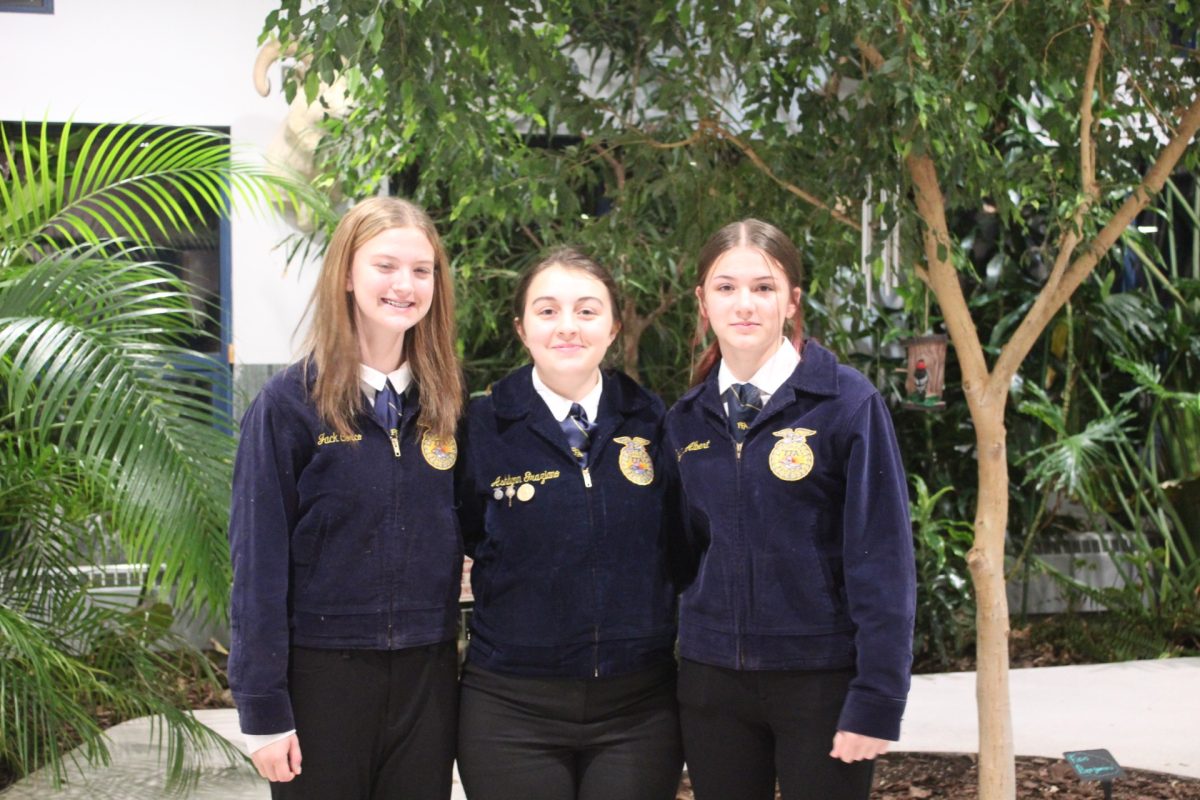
(926,372)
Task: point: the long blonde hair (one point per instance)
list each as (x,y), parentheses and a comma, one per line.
(332,341)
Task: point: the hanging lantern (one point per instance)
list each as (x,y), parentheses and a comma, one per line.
(926,372)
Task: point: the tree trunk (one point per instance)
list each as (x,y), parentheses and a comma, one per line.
(997,772)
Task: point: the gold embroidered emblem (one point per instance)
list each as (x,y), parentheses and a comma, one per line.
(791,458)
(634,459)
(440,451)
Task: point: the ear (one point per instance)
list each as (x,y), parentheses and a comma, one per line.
(793,302)
(616,329)
(520,330)
(700,301)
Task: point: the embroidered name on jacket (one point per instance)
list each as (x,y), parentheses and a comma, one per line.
(691,447)
(528,477)
(338,438)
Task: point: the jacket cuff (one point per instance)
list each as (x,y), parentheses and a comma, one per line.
(871,715)
(260,714)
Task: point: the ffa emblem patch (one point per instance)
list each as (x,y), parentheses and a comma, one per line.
(634,459)
(791,458)
(440,451)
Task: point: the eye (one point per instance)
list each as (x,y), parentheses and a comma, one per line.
(423,272)
(545,312)
(724,287)
(385,266)
(765,287)
(588,312)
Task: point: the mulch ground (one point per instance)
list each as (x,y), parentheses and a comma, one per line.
(938,776)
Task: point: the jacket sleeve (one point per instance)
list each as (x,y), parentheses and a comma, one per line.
(880,574)
(467,501)
(263,514)
(681,554)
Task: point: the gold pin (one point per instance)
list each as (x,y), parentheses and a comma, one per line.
(509,492)
(525,492)
(498,493)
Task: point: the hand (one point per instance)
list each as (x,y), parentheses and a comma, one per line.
(851,747)
(278,761)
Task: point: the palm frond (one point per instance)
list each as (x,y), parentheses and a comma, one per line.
(90,365)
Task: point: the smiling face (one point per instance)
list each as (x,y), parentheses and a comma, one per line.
(567,326)
(391,279)
(746,299)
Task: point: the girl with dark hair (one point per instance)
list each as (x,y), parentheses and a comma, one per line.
(566,496)
(346,553)
(796,634)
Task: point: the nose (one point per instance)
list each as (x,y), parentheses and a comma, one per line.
(567,326)
(744,303)
(402,279)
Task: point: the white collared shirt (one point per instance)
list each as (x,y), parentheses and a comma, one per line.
(372,380)
(560,407)
(770,376)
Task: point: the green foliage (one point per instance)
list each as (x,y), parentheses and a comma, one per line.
(945,604)
(637,128)
(110,436)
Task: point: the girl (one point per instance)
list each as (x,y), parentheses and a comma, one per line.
(796,636)
(565,486)
(346,554)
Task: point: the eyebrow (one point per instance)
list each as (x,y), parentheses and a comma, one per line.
(767,277)
(548,298)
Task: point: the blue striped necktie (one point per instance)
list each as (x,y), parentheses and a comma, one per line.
(743,401)
(388,406)
(578,432)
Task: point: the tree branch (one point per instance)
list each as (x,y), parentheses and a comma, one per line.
(1040,314)
(756,159)
(1054,297)
(943,277)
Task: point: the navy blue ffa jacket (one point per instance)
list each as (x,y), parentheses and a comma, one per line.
(337,542)
(803,536)
(571,574)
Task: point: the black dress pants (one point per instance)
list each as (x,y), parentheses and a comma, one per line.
(614,738)
(742,728)
(373,724)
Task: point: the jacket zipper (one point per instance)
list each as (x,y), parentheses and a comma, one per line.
(587,482)
(394,435)
(737,501)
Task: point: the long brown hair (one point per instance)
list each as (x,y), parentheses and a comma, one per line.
(779,251)
(332,342)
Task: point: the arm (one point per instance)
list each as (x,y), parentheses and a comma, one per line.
(880,578)
(262,515)
(467,501)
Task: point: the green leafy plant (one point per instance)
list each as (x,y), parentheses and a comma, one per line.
(945,604)
(110,434)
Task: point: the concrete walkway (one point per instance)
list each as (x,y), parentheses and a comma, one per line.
(1143,712)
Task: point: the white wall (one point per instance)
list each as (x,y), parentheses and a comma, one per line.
(174,62)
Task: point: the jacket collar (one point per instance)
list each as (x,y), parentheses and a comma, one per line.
(514,396)
(816,374)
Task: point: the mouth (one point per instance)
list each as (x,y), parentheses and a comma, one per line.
(401,304)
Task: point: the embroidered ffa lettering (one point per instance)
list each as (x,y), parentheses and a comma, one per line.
(691,447)
(791,458)
(634,460)
(337,438)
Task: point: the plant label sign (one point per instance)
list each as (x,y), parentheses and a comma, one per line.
(1094,765)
